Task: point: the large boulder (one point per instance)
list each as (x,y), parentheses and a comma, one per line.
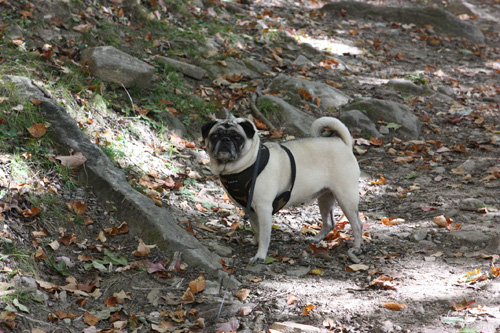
(282,114)
(442,21)
(330,98)
(389,112)
(113,65)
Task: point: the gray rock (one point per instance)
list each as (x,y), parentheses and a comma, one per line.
(192,71)
(151,223)
(14,31)
(359,123)
(384,130)
(257,66)
(405,86)
(419,235)
(441,20)
(291,327)
(439,170)
(468,166)
(24,87)
(223,251)
(302,61)
(292,119)
(113,65)
(330,97)
(390,112)
(471,237)
(233,66)
(211,288)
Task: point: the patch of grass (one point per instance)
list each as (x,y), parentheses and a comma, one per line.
(417,79)
(22,258)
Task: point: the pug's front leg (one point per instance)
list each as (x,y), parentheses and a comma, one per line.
(254,222)
(265,222)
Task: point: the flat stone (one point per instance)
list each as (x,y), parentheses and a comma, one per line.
(192,71)
(149,222)
(302,61)
(24,86)
(359,124)
(292,119)
(290,327)
(330,98)
(472,237)
(389,112)
(405,86)
(113,65)
(441,20)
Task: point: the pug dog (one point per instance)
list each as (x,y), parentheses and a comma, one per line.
(322,167)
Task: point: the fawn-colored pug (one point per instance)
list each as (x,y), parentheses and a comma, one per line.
(322,167)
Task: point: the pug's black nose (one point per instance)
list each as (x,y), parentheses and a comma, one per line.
(225,139)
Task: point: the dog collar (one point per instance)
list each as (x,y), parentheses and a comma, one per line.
(240,185)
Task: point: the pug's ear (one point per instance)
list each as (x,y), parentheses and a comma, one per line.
(205,129)
(248,127)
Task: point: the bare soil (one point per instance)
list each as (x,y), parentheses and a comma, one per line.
(415,263)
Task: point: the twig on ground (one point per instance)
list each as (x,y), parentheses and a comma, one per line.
(257,114)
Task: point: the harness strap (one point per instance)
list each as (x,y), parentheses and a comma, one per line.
(282,199)
(252,186)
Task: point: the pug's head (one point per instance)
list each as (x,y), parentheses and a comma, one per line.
(230,143)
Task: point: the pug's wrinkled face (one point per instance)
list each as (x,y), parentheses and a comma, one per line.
(226,139)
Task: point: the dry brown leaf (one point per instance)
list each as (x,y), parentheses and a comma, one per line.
(142,250)
(307,309)
(291,299)
(440,221)
(197,285)
(38,130)
(242,294)
(395,306)
(77,207)
(72,161)
(188,296)
(90,319)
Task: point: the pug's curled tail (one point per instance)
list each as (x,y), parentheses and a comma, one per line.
(329,127)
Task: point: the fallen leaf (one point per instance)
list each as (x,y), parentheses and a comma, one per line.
(357,267)
(78,207)
(440,221)
(30,212)
(142,250)
(188,296)
(291,299)
(242,294)
(307,309)
(90,319)
(197,285)
(38,130)
(72,161)
(395,306)
(316,271)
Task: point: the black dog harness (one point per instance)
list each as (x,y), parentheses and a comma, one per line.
(240,186)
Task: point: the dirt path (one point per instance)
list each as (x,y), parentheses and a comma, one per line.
(435,279)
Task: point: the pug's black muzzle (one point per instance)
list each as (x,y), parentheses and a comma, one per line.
(226,150)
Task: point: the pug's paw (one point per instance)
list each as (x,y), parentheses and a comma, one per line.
(257,260)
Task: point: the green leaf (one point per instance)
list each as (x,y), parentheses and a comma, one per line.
(100,267)
(270,260)
(20,306)
(469,330)
(394,126)
(111,257)
(412,175)
(465,51)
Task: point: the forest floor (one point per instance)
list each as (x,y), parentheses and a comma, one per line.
(74,267)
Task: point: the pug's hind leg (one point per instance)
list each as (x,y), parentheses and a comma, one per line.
(326,203)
